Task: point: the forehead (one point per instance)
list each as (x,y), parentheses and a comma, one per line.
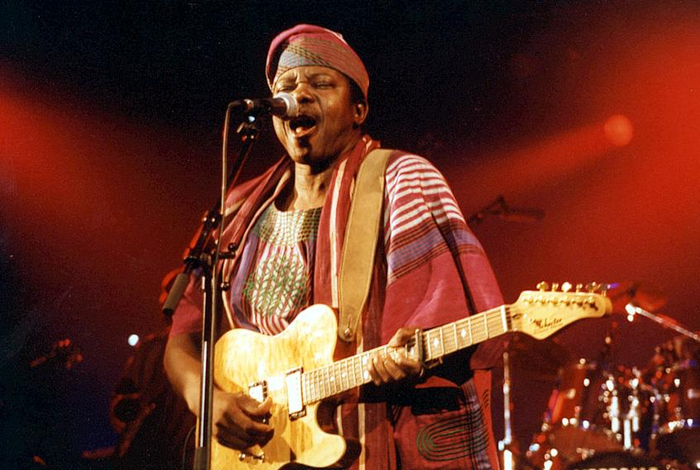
(307,72)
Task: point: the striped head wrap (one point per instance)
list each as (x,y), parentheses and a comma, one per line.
(305,45)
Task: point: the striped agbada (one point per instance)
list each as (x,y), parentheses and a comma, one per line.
(430,270)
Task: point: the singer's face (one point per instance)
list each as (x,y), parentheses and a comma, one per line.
(328,121)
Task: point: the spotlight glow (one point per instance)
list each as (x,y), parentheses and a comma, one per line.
(133,340)
(618,130)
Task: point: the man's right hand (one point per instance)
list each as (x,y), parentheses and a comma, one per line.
(239,421)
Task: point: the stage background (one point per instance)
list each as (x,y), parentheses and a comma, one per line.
(110,123)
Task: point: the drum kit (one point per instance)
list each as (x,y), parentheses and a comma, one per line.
(601,415)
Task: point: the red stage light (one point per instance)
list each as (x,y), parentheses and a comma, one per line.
(618,130)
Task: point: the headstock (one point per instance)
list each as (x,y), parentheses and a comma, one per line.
(543,312)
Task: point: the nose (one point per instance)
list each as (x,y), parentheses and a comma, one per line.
(302,92)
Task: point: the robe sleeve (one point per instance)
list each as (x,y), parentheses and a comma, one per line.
(437,271)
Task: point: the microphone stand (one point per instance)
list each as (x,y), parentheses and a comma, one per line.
(198,259)
(633,310)
(500,208)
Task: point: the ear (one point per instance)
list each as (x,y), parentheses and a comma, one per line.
(360,112)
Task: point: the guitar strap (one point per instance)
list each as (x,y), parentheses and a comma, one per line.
(360,246)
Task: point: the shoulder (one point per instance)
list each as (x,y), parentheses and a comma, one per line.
(407,164)
(408,173)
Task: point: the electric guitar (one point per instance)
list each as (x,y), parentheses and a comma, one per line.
(297,370)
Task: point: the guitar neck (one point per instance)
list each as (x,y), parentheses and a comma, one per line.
(352,372)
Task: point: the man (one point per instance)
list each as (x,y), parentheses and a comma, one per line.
(429,270)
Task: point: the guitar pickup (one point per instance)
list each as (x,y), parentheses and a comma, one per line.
(258,390)
(295,397)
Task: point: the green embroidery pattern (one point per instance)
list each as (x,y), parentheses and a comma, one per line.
(452,438)
(278,286)
(280,282)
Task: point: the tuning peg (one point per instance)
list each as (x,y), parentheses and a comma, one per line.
(604,288)
(566,287)
(555,286)
(592,287)
(579,287)
(543,286)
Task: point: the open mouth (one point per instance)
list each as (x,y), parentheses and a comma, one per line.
(302,125)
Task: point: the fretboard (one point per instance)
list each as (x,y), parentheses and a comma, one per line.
(346,374)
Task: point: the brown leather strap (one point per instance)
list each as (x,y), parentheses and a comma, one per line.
(361,236)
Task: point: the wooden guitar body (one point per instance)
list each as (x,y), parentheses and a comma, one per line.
(243,358)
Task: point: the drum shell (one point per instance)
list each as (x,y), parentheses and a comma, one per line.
(575,422)
(678,434)
(616,460)
(682,396)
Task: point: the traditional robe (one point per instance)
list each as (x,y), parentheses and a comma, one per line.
(429,270)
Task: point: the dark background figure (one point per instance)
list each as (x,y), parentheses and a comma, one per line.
(36,375)
(155,428)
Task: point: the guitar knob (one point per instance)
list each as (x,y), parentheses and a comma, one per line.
(543,286)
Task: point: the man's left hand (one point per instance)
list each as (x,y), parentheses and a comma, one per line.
(394,365)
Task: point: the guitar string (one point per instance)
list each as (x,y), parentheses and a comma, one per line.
(480,327)
(319,383)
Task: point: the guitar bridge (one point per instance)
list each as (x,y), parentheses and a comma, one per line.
(244,457)
(295,397)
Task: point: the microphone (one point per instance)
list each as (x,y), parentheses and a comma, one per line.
(282,105)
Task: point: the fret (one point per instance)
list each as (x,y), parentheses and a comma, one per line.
(335,372)
(435,342)
(339,376)
(429,352)
(317,385)
(471,335)
(307,383)
(351,373)
(358,373)
(463,331)
(312,383)
(503,318)
(356,370)
(344,371)
(304,388)
(442,341)
(332,374)
(365,372)
(324,381)
(343,374)
(331,377)
(454,332)
(486,325)
(312,386)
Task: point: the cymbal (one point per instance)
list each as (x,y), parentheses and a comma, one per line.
(676,351)
(645,296)
(543,358)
